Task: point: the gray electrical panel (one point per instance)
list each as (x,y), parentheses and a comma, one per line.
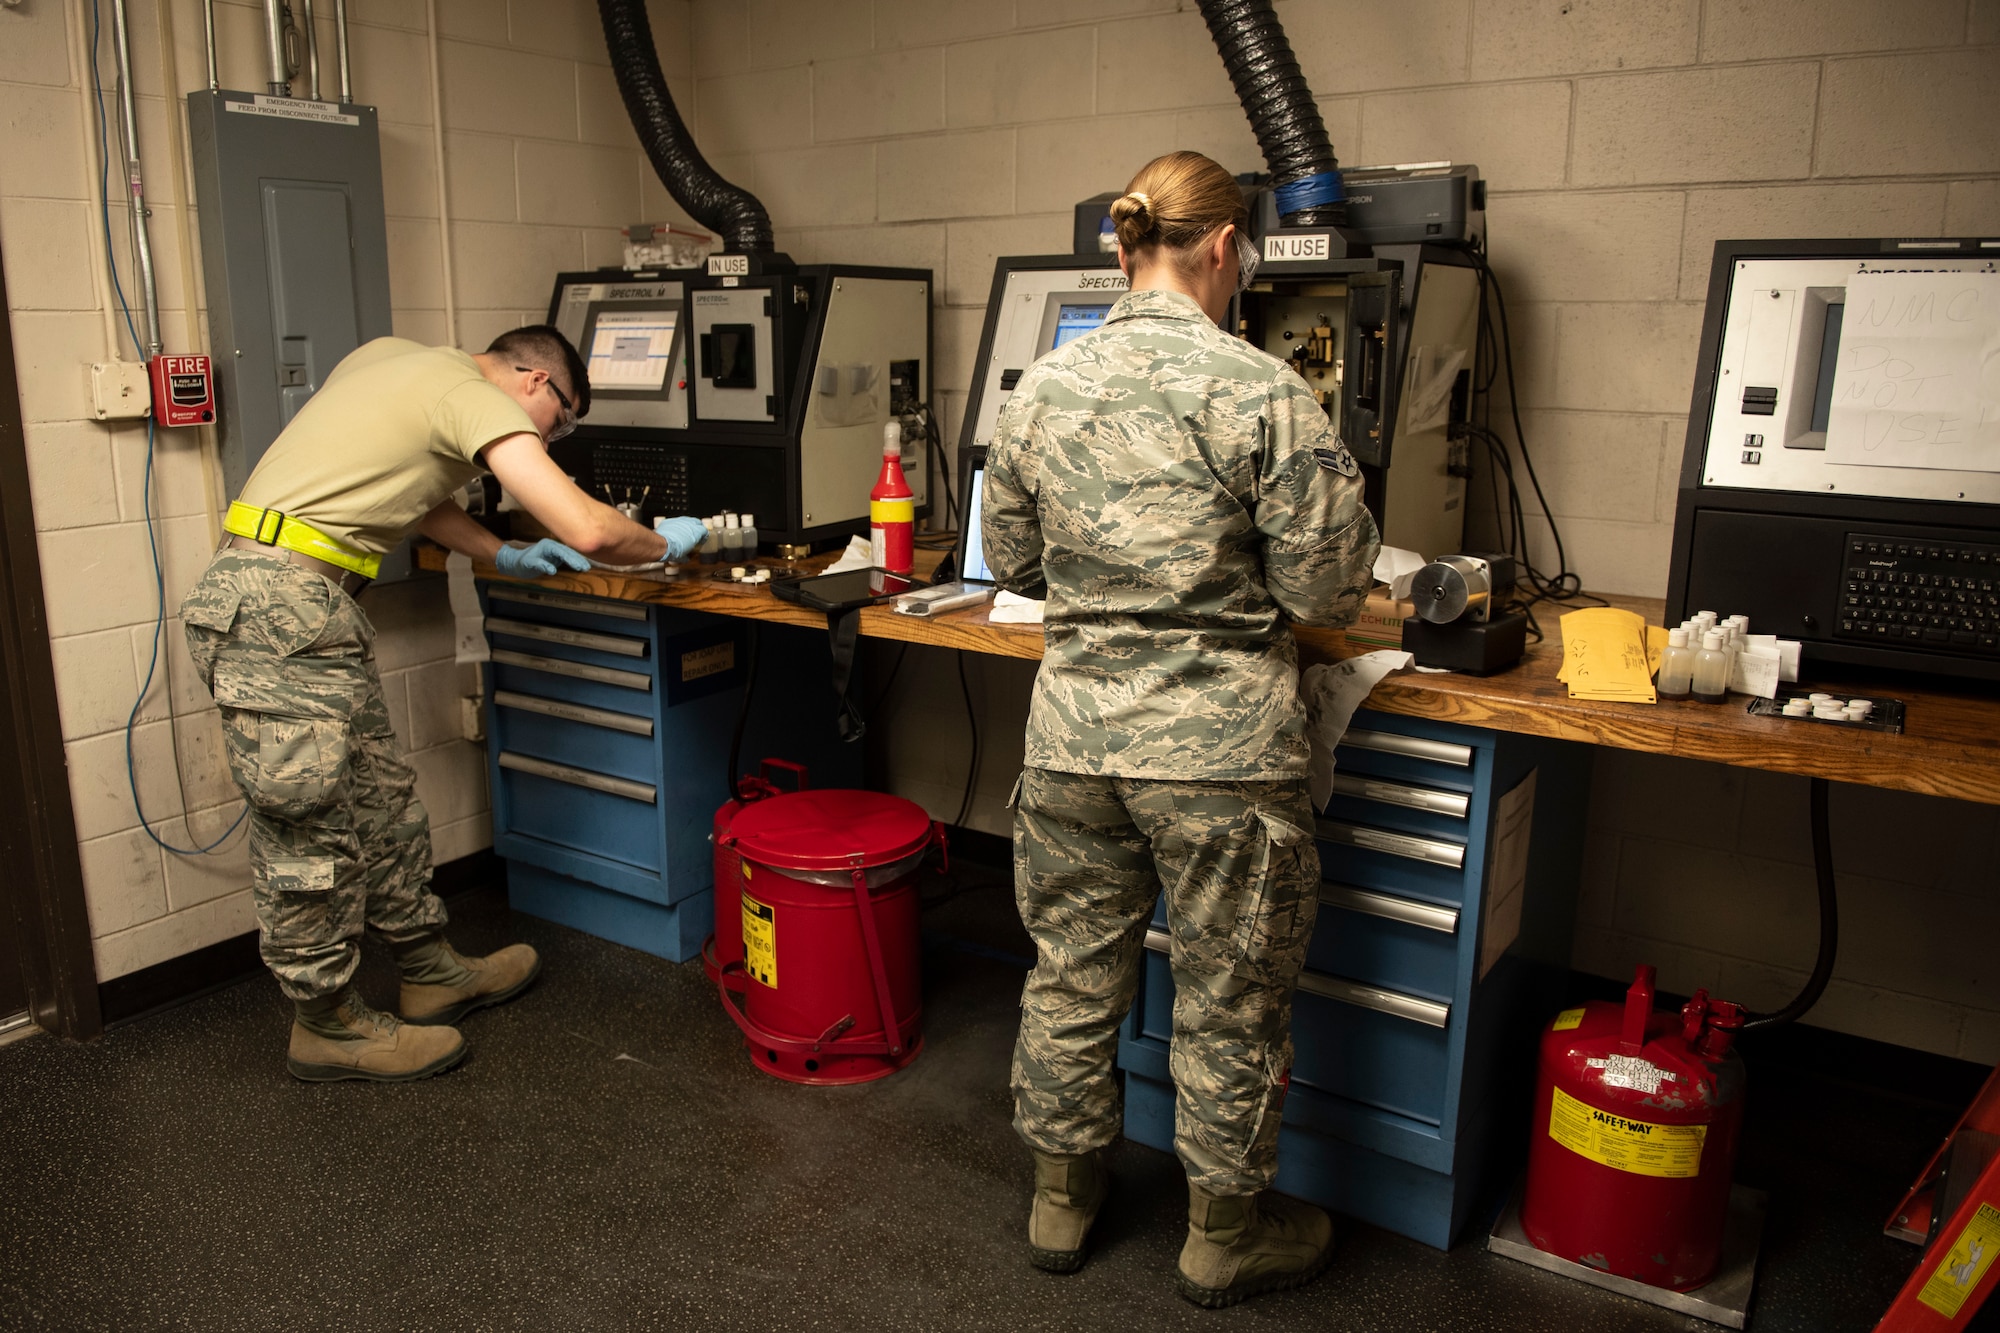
(294,250)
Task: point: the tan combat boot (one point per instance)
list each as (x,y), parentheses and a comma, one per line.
(442,985)
(1068,1192)
(370,1045)
(1245,1245)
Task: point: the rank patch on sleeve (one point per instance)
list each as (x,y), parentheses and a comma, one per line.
(1337,459)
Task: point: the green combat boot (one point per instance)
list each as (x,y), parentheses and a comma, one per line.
(1246,1245)
(1068,1192)
(339,1036)
(442,985)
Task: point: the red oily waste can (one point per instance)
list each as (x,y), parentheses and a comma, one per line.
(1635,1127)
(725,946)
(831,973)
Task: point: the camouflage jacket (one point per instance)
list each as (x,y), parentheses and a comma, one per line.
(1177,495)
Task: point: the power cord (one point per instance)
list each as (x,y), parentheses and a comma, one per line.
(1497,354)
(972,723)
(152,533)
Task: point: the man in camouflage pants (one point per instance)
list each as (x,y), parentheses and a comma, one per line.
(339,842)
(1178,496)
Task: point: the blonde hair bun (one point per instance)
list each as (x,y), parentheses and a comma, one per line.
(1175,202)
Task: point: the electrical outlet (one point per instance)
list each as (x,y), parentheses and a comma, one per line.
(120,389)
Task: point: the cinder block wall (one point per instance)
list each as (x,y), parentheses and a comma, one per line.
(1621,141)
(542,167)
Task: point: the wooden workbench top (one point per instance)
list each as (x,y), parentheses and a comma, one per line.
(1951,745)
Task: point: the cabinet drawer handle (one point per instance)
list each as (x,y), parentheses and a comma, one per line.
(1452,803)
(1394,844)
(1394,1003)
(596,717)
(556,666)
(643,792)
(575,638)
(1413,747)
(1389,907)
(592,606)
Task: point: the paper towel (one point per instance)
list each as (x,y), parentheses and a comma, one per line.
(1332,692)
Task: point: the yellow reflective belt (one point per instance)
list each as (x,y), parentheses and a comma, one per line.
(268,527)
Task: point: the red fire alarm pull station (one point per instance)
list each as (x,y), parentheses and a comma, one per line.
(183,390)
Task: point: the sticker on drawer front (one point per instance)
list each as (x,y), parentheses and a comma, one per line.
(760,942)
(1641,1147)
(708,661)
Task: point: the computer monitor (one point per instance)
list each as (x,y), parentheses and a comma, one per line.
(972,566)
(1074,320)
(631,350)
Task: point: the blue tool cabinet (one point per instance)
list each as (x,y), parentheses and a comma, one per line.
(608,730)
(1413,1054)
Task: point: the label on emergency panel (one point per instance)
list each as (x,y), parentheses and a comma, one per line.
(294,108)
(760,942)
(708,661)
(1959,1272)
(1638,1146)
(1567,1019)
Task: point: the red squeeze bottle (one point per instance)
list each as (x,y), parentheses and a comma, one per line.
(892,509)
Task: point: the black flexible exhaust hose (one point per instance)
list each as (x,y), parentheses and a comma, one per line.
(1275,97)
(1829,919)
(729,210)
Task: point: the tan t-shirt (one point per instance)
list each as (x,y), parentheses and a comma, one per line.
(396,428)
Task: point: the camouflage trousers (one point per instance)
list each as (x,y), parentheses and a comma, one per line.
(338,838)
(1240,871)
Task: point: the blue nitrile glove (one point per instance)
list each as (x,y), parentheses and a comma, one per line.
(682,534)
(544,558)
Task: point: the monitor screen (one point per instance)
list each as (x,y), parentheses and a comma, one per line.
(973,567)
(1074,320)
(629,349)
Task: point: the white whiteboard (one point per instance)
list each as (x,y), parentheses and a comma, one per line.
(1917,380)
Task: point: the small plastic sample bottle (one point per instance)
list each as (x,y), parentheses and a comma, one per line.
(732,540)
(1676,666)
(1711,670)
(711,545)
(748,522)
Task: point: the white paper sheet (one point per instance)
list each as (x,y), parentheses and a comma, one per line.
(1917,380)
(858,555)
(469,621)
(1013,609)
(1393,562)
(1332,691)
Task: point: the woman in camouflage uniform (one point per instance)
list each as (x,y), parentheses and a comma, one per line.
(1179,497)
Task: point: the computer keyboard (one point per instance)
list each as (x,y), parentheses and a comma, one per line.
(1936,595)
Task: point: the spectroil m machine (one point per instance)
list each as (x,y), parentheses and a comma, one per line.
(1841,482)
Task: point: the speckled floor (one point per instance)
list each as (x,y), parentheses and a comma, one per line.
(608,1159)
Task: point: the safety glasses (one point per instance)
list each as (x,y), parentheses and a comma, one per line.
(1247,259)
(567,421)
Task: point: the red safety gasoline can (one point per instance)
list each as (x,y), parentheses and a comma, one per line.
(1634,1143)
(725,946)
(831,980)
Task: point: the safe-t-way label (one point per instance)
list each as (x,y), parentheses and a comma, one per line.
(1641,1147)
(1959,1272)
(760,942)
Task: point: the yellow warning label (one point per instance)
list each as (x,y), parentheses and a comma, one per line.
(1567,1019)
(1959,1272)
(760,942)
(1638,1146)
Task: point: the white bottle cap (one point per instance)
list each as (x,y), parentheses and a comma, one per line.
(746,520)
(737,571)
(729,520)
(1865,705)
(1677,638)
(1711,642)
(1798,710)
(892,438)
(1709,616)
